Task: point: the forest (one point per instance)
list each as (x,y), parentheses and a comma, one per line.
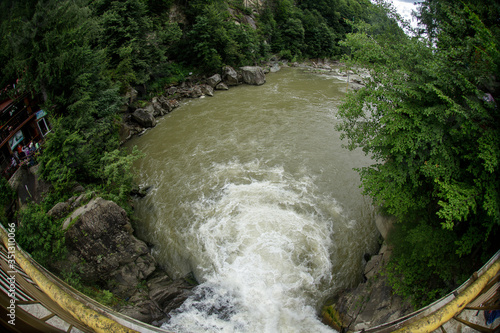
(428,114)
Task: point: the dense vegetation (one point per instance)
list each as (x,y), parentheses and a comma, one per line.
(429,116)
(80,57)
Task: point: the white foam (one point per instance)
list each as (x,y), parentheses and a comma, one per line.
(262,250)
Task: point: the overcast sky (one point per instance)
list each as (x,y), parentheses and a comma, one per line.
(404,7)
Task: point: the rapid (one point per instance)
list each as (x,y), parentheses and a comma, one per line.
(253,193)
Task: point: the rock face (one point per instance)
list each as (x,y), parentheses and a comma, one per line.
(152,302)
(103,251)
(28,185)
(253,75)
(371,303)
(384,225)
(99,238)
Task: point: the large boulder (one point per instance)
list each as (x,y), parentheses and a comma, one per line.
(158,107)
(144,118)
(28,185)
(101,246)
(384,225)
(253,75)
(140,307)
(230,76)
(214,80)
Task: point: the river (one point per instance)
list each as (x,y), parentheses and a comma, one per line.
(253,193)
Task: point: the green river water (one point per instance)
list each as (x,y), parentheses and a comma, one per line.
(253,193)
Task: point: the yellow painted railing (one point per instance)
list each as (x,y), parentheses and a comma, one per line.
(81,312)
(443,315)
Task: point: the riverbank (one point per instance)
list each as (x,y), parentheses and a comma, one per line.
(225,143)
(136,284)
(372,302)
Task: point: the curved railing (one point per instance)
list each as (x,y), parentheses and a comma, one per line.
(435,315)
(56,296)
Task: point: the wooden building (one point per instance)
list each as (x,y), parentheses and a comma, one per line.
(23,126)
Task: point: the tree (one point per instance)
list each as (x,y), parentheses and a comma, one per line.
(216,40)
(51,44)
(126,37)
(428,117)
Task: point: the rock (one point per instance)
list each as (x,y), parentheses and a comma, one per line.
(172,91)
(158,107)
(129,128)
(77,201)
(222,86)
(372,303)
(59,210)
(275,68)
(100,241)
(214,80)
(169,294)
(142,308)
(253,75)
(373,265)
(140,191)
(229,76)
(207,90)
(196,92)
(143,118)
(78,189)
(384,225)
(131,95)
(250,21)
(63,208)
(126,278)
(28,186)
(145,311)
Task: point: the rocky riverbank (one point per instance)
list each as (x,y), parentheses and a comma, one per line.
(137,119)
(372,302)
(102,248)
(103,251)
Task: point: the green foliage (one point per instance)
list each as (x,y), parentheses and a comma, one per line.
(102,296)
(422,268)
(173,74)
(125,36)
(428,118)
(214,40)
(40,235)
(7,195)
(116,173)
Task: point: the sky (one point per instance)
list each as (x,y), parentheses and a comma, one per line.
(404,7)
